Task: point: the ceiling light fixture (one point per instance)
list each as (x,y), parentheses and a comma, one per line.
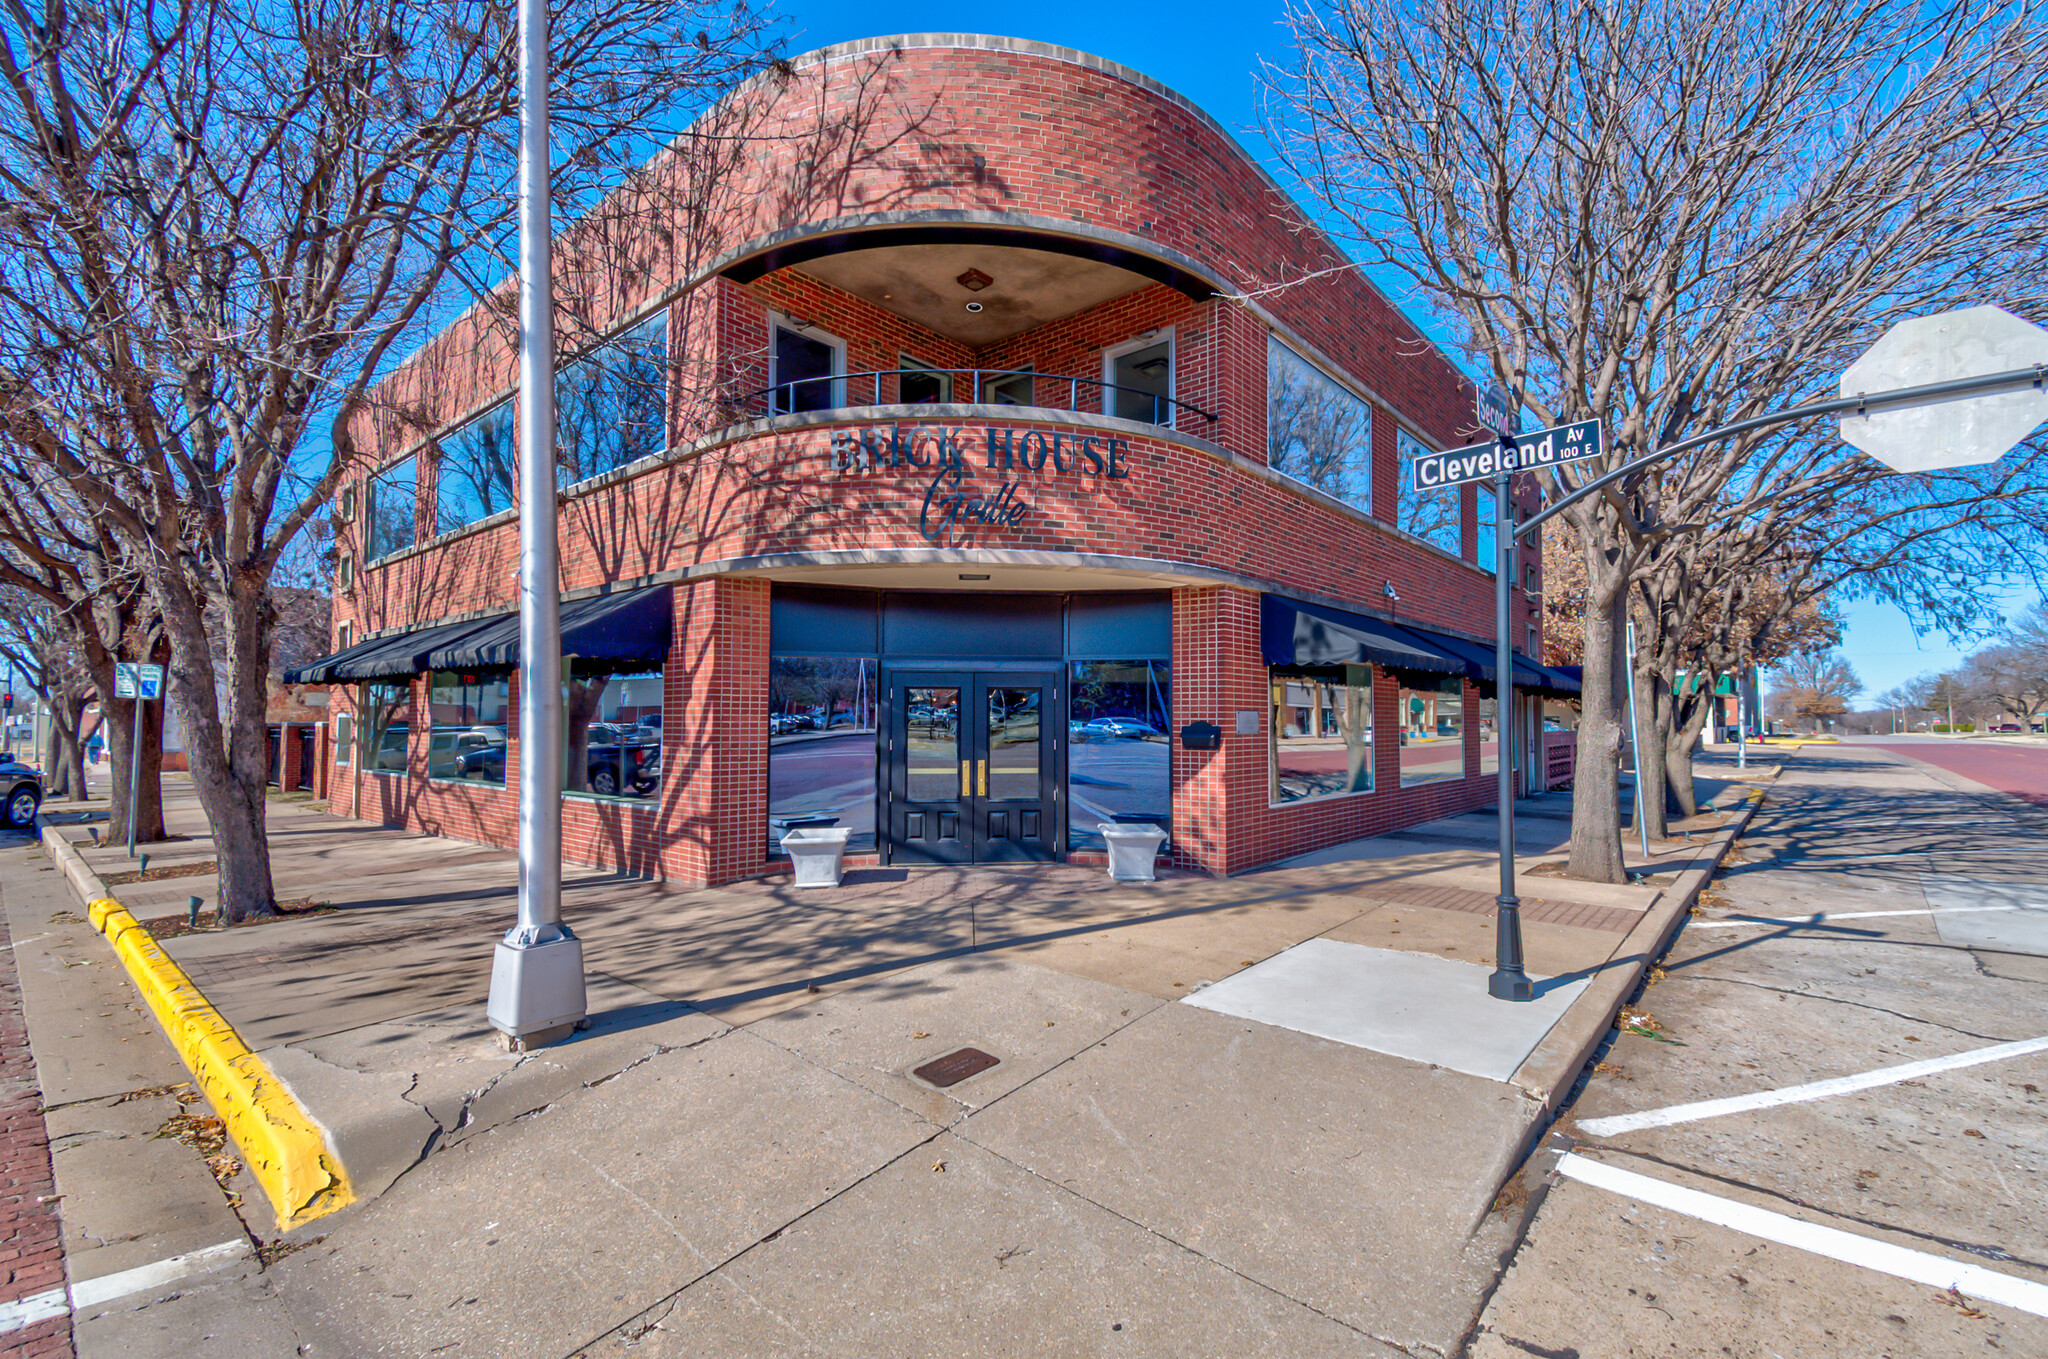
(974,280)
(974,307)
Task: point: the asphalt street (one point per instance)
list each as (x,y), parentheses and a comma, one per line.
(1823,1133)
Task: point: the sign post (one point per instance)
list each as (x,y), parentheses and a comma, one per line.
(143,684)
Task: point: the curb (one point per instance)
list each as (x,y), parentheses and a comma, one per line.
(1552,1070)
(286,1148)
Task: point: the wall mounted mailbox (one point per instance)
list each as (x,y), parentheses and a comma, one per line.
(1201,736)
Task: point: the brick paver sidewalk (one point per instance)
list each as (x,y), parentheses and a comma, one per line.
(31,1235)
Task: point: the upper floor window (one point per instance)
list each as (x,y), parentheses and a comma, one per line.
(1486,529)
(1316,431)
(1012,389)
(806,369)
(921,384)
(475,468)
(1430,514)
(1138,379)
(611,404)
(393,514)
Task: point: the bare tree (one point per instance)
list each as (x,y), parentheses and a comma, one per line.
(1815,686)
(224,223)
(1668,216)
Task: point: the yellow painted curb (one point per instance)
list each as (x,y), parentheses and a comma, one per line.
(285,1148)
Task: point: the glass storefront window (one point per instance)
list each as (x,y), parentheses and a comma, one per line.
(1489,738)
(821,745)
(613,743)
(1432,732)
(1321,731)
(1119,753)
(387,721)
(466,723)
(1316,431)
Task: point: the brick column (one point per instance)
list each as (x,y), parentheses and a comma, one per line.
(715,733)
(1220,816)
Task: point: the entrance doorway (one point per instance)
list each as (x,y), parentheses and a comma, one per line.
(973,766)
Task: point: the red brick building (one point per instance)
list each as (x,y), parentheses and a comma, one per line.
(985,452)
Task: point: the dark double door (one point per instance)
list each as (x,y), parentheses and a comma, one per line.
(973,766)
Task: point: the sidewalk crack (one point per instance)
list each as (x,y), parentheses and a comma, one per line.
(1839,1000)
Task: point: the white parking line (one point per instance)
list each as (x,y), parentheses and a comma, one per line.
(1973,1281)
(1937,822)
(1822,917)
(25,1312)
(1795,1094)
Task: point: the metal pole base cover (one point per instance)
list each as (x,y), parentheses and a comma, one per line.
(537,988)
(1506,985)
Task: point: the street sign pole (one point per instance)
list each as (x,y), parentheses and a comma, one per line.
(1510,980)
(537,987)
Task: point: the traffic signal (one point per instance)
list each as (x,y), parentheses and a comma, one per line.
(10,703)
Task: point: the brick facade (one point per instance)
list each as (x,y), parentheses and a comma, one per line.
(1040,145)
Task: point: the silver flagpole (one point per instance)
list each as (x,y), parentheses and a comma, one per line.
(537,993)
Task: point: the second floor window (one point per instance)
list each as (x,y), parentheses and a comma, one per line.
(1139,381)
(806,370)
(393,511)
(1431,515)
(611,404)
(1316,431)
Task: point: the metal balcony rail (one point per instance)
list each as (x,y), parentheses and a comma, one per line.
(990,387)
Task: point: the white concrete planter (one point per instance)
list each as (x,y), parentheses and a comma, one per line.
(818,853)
(1133,848)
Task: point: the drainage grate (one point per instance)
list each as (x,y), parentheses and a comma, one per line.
(955,1067)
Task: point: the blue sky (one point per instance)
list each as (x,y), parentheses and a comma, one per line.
(1209,53)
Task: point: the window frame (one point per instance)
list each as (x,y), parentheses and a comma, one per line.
(1486,529)
(436,448)
(908,364)
(808,331)
(1110,354)
(594,354)
(1449,685)
(1279,675)
(376,486)
(1366,471)
(484,682)
(1408,497)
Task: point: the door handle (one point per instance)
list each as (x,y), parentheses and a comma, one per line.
(984,778)
(966,783)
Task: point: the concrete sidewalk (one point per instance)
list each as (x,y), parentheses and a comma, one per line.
(1306,1154)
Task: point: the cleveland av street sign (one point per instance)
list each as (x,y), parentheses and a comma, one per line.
(1480,462)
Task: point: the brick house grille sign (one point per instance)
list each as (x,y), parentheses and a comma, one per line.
(955,505)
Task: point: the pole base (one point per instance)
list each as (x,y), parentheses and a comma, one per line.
(1506,985)
(537,990)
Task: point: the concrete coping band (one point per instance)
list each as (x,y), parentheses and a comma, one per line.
(285,1147)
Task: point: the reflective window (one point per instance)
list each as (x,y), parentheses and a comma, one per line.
(920,383)
(933,768)
(393,511)
(344,737)
(1015,736)
(1140,378)
(1432,732)
(804,371)
(1489,738)
(1119,752)
(1014,389)
(1431,515)
(1321,731)
(613,742)
(1487,529)
(467,715)
(387,721)
(1316,431)
(611,405)
(475,468)
(821,747)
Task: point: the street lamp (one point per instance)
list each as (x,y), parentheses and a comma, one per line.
(1990,371)
(537,991)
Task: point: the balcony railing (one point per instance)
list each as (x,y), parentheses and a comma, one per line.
(987,387)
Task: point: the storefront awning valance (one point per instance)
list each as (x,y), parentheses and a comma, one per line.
(627,631)
(395,655)
(1292,632)
(1479,662)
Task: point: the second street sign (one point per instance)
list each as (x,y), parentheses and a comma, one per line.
(1481,462)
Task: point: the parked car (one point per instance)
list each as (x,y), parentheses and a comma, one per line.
(482,762)
(24,792)
(1127,728)
(444,748)
(2008,726)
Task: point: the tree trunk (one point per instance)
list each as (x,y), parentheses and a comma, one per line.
(1678,756)
(1654,722)
(583,697)
(229,759)
(1596,784)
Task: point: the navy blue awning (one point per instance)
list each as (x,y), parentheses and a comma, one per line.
(1479,659)
(1292,632)
(619,632)
(391,656)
